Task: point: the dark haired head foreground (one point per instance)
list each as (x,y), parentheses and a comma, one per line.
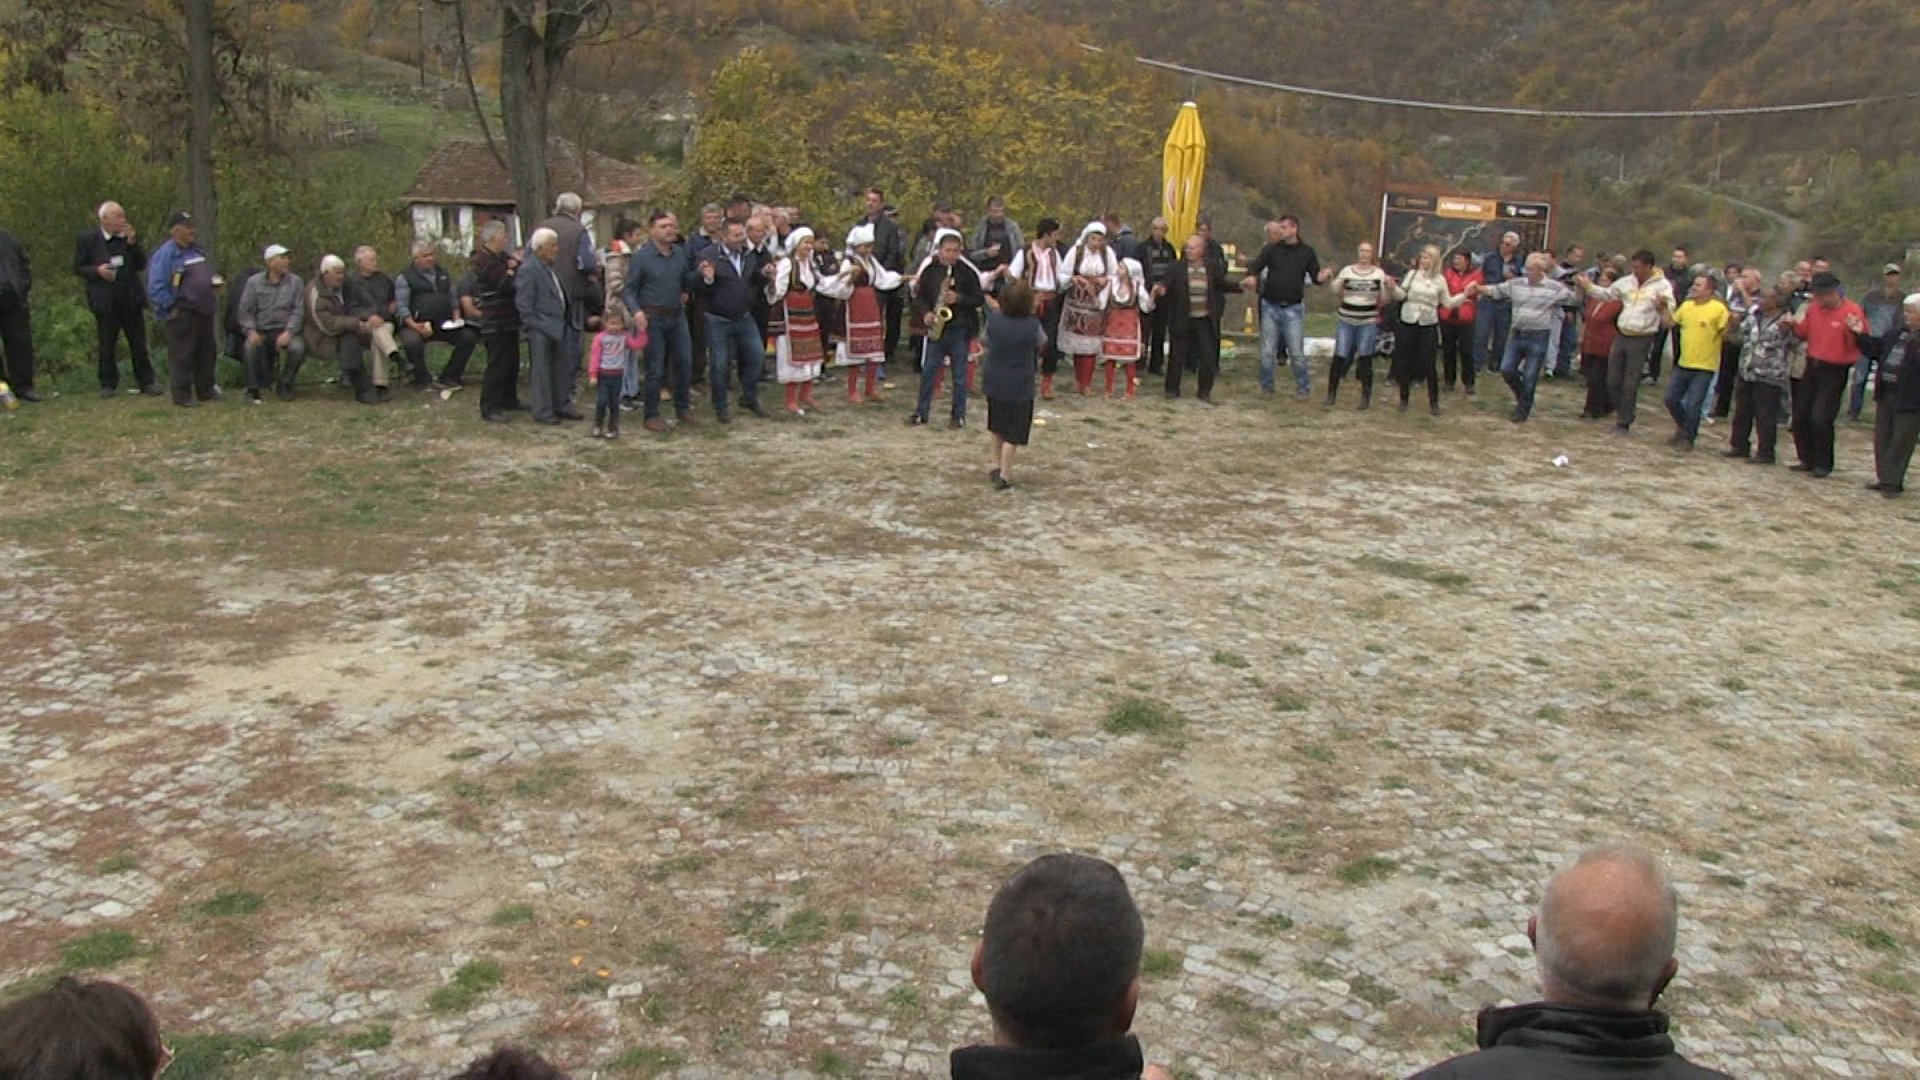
(81,1031)
(1603,941)
(1059,963)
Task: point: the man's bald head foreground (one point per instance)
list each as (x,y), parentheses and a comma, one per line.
(1604,935)
(1603,940)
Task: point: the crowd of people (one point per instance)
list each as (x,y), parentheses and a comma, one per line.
(761,297)
(1058,962)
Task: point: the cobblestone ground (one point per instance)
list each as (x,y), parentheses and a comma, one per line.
(362,741)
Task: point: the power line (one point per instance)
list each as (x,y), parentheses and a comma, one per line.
(1501,110)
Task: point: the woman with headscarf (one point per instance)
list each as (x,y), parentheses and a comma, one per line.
(1417,338)
(798,349)
(1121,343)
(1089,268)
(860,281)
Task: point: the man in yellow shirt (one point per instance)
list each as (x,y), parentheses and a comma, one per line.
(1701,323)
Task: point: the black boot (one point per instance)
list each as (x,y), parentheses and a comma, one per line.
(1366,396)
(362,384)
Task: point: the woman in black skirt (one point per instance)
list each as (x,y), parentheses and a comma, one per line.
(1014,338)
(1417,337)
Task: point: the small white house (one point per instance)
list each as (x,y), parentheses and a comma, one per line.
(463,186)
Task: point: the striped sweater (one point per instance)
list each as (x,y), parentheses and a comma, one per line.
(1363,292)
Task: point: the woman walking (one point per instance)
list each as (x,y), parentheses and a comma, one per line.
(1014,337)
(1456,321)
(1417,339)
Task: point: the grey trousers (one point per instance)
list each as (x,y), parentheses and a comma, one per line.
(1894,436)
(1626,363)
(546,369)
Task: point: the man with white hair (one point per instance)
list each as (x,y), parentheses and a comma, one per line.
(113,265)
(370,296)
(540,297)
(334,332)
(1533,306)
(1896,396)
(577,264)
(1603,943)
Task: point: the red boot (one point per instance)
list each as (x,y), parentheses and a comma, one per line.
(793,398)
(1046,388)
(1133,379)
(853,385)
(806,396)
(1110,367)
(1083,374)
(873,376)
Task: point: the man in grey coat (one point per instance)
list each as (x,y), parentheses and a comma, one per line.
(541,301)
(272,309)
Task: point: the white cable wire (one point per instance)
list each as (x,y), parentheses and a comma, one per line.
(1499,110)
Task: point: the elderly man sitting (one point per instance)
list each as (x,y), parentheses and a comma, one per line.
(335,332)
(1603,941)
(428,307)
(272,310)
(370,296)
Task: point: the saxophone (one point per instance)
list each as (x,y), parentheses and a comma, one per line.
(942,313)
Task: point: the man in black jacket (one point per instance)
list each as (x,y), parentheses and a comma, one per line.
(1195,317)
(1896,396)
(726,278)
(1059,965)
(428,308)
(1604,942)
(16,319)
(952,282)
(114,266)
(1289,264)
(1158,258)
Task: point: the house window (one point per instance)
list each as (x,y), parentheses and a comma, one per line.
(450,223)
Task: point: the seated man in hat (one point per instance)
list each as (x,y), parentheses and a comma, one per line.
(271,314)
(1603,940)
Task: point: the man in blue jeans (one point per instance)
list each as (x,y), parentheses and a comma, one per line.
(727,278)
(1535,303)
(1494,319)
(1700,325)
(1289,265)
(949,282)
(658,277)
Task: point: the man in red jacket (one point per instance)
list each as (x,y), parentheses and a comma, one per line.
(1831,326)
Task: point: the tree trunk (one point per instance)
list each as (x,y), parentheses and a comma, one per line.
(525,86)
(201,94)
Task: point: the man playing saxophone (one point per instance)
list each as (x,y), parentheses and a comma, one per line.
(947,300)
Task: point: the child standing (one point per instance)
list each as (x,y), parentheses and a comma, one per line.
(1014,337)
(1120,342)
(615,348)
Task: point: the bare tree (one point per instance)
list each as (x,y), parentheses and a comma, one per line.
(536,37)
(202,93)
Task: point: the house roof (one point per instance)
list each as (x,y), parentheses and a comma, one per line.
(464,172)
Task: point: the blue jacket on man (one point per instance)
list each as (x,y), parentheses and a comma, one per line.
(655,281)
(539,299)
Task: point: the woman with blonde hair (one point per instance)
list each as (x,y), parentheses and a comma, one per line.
(1417,338)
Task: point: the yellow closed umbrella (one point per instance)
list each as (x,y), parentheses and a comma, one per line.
(1181,173)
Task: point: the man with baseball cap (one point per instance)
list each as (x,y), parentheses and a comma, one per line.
(181,286)
(1832,327)
(272,311)
(1882,306)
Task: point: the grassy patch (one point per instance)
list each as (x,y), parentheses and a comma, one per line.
(1319,970)
(99,949)
(121,863)
(377,1037)
(1232,660)
(644,1061)
(1371,990)
(1288,701)
(689,863)
(1143,716)
(1873,937)
(1552,714)
(1273,925)
(831,1063)
(1414,571)
(905,1001)
(474,979)
(1364,870)
(1734,683)
(754,921)
(220,1055)
(231,903)
(1317,752)
(512,915)
(1159,963)
(1898,982)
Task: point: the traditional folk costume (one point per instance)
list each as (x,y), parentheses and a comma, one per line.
(1121,345)
(799,350)
(1039,266)
(1083,311)
(860,281)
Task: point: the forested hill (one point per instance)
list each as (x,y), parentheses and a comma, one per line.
(1845,170)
